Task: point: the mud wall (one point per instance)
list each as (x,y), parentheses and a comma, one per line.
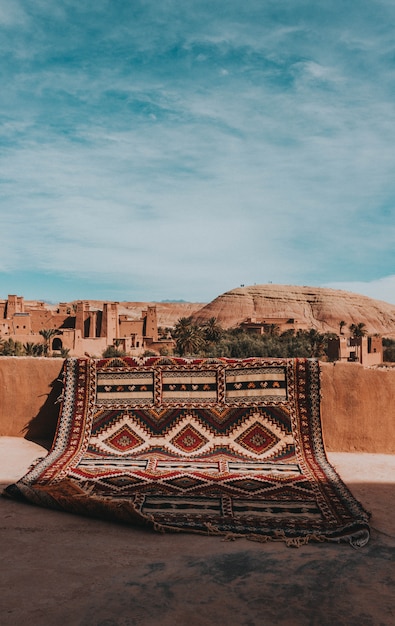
(28,393)
(357,407)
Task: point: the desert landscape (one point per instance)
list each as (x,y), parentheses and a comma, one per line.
(150,577)
(197,313)
(34,328)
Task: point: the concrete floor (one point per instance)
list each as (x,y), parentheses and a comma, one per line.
(62,569)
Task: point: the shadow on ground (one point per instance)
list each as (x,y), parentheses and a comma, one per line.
(85,572)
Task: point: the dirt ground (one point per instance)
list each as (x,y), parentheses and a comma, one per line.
(62,569)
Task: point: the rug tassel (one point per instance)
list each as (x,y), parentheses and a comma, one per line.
(59,399)
(297,542)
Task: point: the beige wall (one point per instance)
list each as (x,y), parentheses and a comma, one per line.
(358,411)
(358,408)
(27,396)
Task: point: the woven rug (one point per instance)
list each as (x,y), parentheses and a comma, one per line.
(216,446)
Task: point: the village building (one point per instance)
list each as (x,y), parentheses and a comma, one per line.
(364,350)
(266,325)
(82,328)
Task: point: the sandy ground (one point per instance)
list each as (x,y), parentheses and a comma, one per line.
(62,569)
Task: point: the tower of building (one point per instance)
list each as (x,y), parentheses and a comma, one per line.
(151,323)
(15,304)
(109,323)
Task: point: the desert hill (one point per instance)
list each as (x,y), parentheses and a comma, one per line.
(319,308)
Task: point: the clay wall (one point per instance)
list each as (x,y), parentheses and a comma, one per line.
(28,392)
(357,405)
(357,408)
(157,346)
(42,319)
(93,346)
(128,327)
(21,324)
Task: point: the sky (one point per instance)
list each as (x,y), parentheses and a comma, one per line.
(176,149)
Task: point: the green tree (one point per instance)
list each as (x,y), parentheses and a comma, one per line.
(316,342)
(388,350)
(33,349)
(358,330)
(189,337)
(113,351)
(48,333)
(29,348)
(191,342)
(212,330)
(273,329)
(9,347)
(183,323)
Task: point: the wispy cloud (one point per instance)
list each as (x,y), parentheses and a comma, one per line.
(178,149)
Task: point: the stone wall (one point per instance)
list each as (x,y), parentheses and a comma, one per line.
(357,406)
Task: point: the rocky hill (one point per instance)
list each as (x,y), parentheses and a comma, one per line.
(319,308)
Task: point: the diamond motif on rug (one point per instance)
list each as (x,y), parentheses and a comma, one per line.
(184,482)
(189,439)
(124,439)
(257,438)
(121,481)
(248,485)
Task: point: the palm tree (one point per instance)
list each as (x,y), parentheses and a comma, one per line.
(113,351)
(341,326)
(9,347)
(34,349)
(182,324)
(189,337)
(193,340)
(317,343)
(212,330)
(29,348)
(48,333)
(358,330)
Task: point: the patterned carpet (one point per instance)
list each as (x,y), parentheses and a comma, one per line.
(216,446)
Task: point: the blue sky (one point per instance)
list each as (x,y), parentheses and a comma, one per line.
(176,149)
